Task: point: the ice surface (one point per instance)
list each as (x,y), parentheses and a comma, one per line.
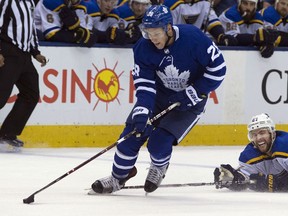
(24,173)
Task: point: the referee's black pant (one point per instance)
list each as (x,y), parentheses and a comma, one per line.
(18,70)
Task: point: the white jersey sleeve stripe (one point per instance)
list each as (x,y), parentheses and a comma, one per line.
(141,80)
(216,68)
(217,78)
(142,88)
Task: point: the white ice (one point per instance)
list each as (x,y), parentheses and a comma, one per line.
(24,173)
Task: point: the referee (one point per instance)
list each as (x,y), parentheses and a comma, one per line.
(18,42)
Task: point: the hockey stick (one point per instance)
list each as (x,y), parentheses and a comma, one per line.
(171,185)
(30,199)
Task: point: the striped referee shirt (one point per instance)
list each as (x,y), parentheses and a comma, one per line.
(17,25)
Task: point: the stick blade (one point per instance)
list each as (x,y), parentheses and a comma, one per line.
(29,199)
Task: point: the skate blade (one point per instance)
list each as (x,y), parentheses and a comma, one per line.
(6,148)
(93,193)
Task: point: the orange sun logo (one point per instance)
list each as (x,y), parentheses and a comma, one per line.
(106,85)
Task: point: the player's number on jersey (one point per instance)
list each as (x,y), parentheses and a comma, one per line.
(136,70)
(214,51)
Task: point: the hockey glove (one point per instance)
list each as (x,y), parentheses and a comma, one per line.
(227,177)
(133,33)
(85,37)
(269,183)
(116,36)
(140,121)
(227,40)
(69,18)
(266,50)
(266,36)
(187,98)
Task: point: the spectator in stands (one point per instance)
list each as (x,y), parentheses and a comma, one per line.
(132,13)
(202,15)
(276,17)
(246,25)
(105,19)
(64,21)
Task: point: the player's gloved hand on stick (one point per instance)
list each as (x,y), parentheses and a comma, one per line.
(140,121)
(269,183)
(188,97)
(227,40)
(69,18)
(227,177)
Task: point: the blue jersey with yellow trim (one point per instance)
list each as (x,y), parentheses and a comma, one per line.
(272,19)
(193,59)
(234,23)
(254,161)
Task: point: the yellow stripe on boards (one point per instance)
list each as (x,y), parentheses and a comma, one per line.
(102,136)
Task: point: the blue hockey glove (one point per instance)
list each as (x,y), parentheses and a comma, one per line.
(188,98)
(269,183)
(140,119)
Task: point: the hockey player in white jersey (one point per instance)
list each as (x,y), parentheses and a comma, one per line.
(105,19)
(263,164)
(64,21)
(201,14)
(246,25)
(131,14)
(276,17)
(173,63)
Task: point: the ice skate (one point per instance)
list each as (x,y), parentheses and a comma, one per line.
(10,145)
(155,177)
(110,184)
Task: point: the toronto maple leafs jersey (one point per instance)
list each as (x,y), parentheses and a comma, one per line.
(272,19)
(234,23)
(253,161)
(193,59)
(47,20)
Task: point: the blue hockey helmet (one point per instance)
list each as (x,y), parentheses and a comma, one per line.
(157,16)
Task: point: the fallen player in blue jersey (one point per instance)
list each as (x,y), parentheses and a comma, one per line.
(173,63)
(263,164)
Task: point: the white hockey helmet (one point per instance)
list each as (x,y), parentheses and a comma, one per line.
(141,1)
(261,121)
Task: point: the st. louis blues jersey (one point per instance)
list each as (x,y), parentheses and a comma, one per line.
(193,59)
(47,20)
(234,23)
(253,161)
(101,21)
(272,19)
(127,16)
(197,14)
